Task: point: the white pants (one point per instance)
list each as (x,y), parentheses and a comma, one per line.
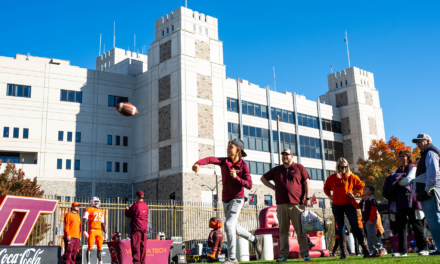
(232,211)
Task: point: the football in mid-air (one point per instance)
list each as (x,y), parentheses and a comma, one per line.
(127,109)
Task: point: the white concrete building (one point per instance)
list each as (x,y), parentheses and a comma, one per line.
(62,128)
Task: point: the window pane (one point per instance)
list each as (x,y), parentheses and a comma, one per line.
(285,116)
(69,136)
(268,200)
(235,129)
(59,164)
(253,167)
(315,122)
(63,95)
(279,113)
(334,126)
(6,132)
(300,122)
(273,114)
(109,166)
(19,90)
(257,110)
(16,131)
(303,151)
(244,107)
(306,141)
(27,91)
(78,137)
(109,140)
(252,131)
(328,125)
(310,121)
(266,133)
(318,153)
(260,168)
(291,117)
(71,96)
(79,97)
(259,144)
(264,111)
(293,149)
(252,143)
(275,146)
(246,141)
(304,119)
(10,90)
(68,164)
(251,109)
(312,153)
(111,100)
(116,166)
(125,141)
(307,149)
(259,132)
(292,138)
(25,132)
(274,135)
(266,145)
(234,105)
(60,135)
(125,167)
(118,140)
(266,167)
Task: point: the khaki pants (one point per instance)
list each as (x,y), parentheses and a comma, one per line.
(287,213)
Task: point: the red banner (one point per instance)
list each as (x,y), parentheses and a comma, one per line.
(158,251)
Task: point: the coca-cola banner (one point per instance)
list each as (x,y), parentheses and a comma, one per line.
(30,255)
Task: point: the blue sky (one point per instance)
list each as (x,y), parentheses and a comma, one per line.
(399,41)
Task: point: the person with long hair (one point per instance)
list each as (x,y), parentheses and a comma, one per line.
(339,188)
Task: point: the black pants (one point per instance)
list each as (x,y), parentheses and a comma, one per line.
(335,248)
(402,221)
(356,243)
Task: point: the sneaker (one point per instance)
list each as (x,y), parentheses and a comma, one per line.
(311,245)
(281,260)
(424,253)
(397,254)
(385,252)
(332,255)
(230,261)
(307,258)
(378,255)
(258,246)
(436,253)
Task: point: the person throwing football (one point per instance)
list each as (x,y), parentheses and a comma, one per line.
(235,177)
(96,233)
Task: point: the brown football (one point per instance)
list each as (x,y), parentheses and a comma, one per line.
(127,109)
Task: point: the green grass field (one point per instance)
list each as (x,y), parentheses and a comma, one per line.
(412,258)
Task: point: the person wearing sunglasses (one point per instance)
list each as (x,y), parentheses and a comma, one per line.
(339,188)
(428,191)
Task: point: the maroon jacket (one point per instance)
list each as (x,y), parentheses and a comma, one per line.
(232,188)
(138,213)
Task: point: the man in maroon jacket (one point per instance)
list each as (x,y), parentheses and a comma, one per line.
(138,213)
(235,177)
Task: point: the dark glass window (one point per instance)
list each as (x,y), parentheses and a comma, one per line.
(315,174)
(6,132)
(233,131)
(232,105)
(59,164)
(109,140)
(10,90)
(244,105)
(125,167)
(10,157)
(116,166)
(321,202)
(331,125)
(333,150)
(255,138)
(26,133)
(71,96)
(63,95)
(78,137)
(264,111)
(78,97)
(16,132)
(268,200)
(117,140)
(109,166)
(287,141)
(113,100)
(18,90)
(310,147)
(60,135)
(125,141)
(258,168)
(68,164)
(285,115)
(77,164)
(69,136)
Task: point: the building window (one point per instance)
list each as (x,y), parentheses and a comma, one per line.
(206,31)
(10,157)
(109,166)
(71,96)
(333,150)
(256,138)
(200,29)
(341,83)
(258,168)
(25,133)
(336,85)
(16,132)
(254,109)
(78,137)
(308,121)
(254,202)
(168,30)
(310,147)
(194,27)
(77,164)
(268,200)
(117,140)
(59,164)
(321,202)
(331,125)
(109,140)
(233,131)
(69,136)
(6,132)
(287,141)
(68,164)
(113,100)
(285,115)
(163,33)
(346,83)
(330,172)
(18,90)
(232,105)
(315,174)
(125,141)
(172,28)
(60,135)
(116,166)
(125,167)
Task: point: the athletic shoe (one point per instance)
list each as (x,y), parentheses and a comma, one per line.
(258,245)
(332,255)
(424,253)
(307,258)
(281,260)
(377,255)
(397,254)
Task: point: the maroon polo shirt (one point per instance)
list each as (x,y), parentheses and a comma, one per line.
(289,187)
(138,213)
(232,188)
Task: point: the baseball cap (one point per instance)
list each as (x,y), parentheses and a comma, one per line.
(239,143)
(75,204)
(422,137)
(287,151)
(140,194)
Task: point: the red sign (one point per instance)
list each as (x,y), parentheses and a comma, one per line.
(157,251)
(314,201)
(25,212)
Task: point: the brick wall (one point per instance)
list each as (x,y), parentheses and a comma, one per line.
(164,88)
(368,98)
(161,188)
(112,189)
(372,125)
(165,51)
(206,121)
(348,151)
(341,99)
(66,188)
(165,123)
(164,158)
(204,86)
(345,125)
(203,50)
(206,151)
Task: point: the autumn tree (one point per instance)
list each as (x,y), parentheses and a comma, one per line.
(13,182)
(382,161)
